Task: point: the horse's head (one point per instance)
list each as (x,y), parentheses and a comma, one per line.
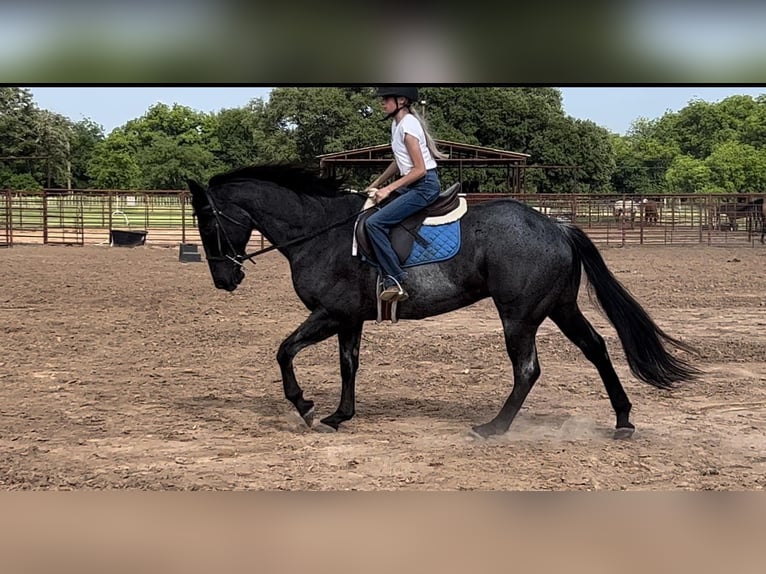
(225,230)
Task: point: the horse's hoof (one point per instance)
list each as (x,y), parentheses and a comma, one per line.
(308,418)
(484,431)
(472,434)
(623,433)
(323,428)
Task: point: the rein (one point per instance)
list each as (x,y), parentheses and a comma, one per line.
(240,258)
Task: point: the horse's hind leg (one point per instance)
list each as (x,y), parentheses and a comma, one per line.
(577,329)
(318,327)
(520,344)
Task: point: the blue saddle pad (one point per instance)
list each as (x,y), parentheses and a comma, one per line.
(443,243)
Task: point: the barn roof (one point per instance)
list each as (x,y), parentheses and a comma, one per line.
(459,154)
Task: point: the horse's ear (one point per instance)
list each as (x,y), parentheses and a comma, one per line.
(195,188)
(199,199)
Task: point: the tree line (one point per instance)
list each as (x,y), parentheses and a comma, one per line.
(703,148)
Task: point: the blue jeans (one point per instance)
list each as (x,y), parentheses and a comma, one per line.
(411,200)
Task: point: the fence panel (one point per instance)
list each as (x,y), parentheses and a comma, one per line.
(669,220)
(86,217)
(27,214)
(63,217)
(6,238)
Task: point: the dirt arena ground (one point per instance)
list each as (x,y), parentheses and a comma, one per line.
(123,368)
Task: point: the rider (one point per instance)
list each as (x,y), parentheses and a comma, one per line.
(417,186)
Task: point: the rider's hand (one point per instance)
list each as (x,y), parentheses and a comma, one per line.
(381,194)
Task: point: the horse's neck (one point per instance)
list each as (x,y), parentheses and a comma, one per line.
(282,215)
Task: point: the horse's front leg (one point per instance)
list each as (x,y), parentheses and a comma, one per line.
(349,338)
(318,327)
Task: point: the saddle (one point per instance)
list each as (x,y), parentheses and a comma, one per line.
(448,207)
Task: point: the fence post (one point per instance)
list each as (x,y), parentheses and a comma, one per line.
(45,217)
(182,199)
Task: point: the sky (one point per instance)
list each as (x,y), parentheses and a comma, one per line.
(614,108)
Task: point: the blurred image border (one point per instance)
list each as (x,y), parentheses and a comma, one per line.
(382,531)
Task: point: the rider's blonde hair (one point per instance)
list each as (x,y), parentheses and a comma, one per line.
(429,140)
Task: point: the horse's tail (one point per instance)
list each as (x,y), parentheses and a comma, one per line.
(643,341)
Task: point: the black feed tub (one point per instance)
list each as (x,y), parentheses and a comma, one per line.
(126,237)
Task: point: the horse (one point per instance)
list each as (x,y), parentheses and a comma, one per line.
(752,211)
(625,210)
(763,218)
(650,211)
(529,264)
(760,215)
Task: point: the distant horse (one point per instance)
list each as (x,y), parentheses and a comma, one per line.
(529,264)
(761,215)
(651,214)
(625,210)
(727,214)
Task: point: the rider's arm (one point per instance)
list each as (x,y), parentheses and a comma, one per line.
(387,174)
(418,169)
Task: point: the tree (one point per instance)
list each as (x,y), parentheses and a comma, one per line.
(753,129)
(53,137)
(114,164)
(688,174)
(643,156)
(86,134)
(18,137)
(323,120)
(526,120)
(166,164)
(701,126)
(159,150)
(738,168)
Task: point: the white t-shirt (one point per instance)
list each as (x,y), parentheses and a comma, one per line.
(409,125)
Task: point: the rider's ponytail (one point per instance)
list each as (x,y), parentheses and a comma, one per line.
(429,140)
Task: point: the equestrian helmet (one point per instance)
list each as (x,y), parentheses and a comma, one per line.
(409,92)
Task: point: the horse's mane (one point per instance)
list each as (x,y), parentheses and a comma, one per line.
(294,177)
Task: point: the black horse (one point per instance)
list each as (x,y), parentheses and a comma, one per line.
(752,211)
(528,263)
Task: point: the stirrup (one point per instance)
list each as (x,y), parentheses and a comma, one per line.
(381,304)
(399,295)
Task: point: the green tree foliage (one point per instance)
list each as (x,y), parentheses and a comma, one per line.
(642,158)
(702,147)
(526,120)
(53,137)
(159,150)
(248,135)
(58,149)
(737,168)
(86,134)
(314,121)
(753,129)
(688,174)
(17,127)
(19,138)
(114,164)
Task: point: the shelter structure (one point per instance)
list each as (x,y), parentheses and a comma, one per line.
(462,157)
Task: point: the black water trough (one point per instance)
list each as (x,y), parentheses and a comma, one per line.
(126,238)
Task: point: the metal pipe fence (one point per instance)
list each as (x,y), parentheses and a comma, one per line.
(86,217)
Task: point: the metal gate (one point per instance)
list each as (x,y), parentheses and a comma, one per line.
(63,215)
(6,237)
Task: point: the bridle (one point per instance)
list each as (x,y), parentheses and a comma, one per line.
(239,258)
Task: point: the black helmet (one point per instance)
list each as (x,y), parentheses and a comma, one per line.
(409,92)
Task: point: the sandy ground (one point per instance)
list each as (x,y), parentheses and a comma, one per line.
(123,368)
